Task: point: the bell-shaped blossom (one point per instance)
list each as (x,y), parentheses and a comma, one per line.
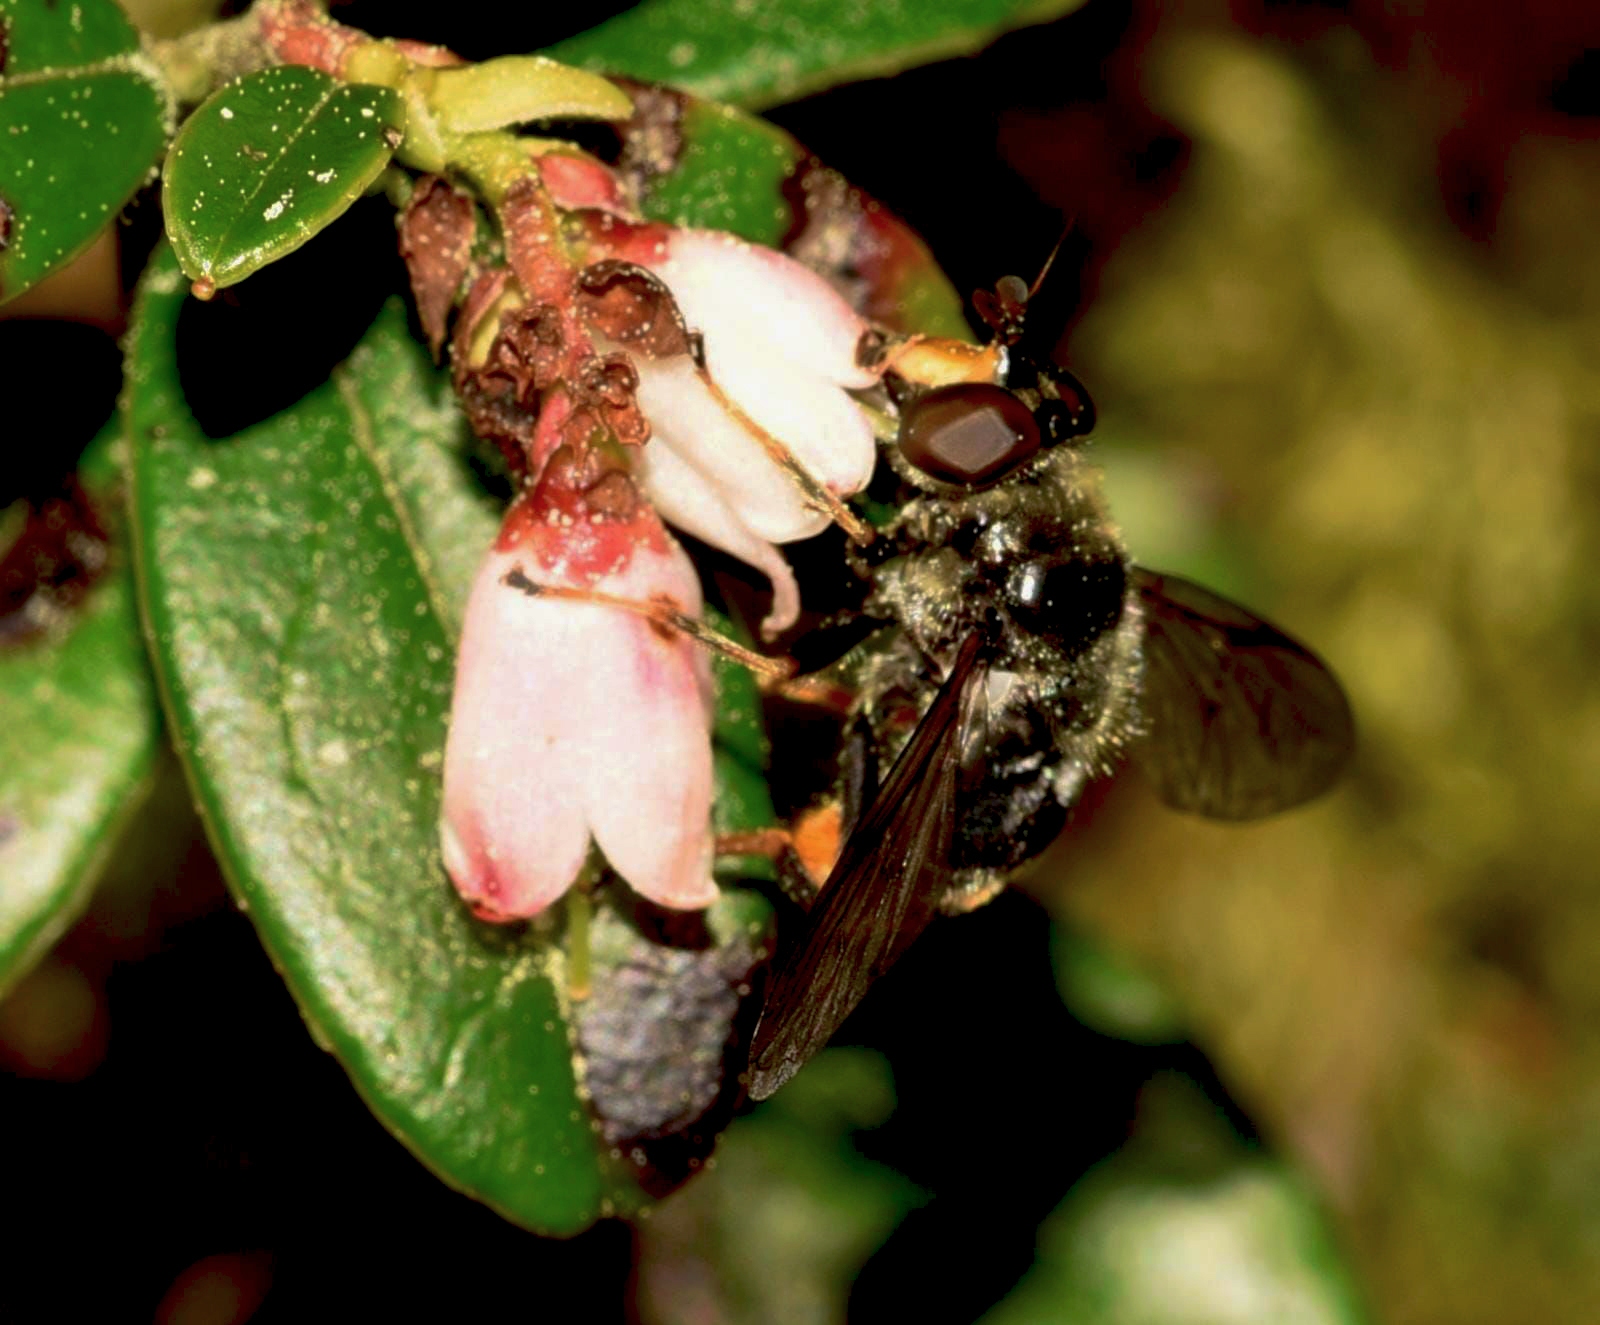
(781,344)
(688,499)
(742,360)
(578,721)
(757,443)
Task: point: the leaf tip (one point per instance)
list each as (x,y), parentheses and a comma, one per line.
(203,288)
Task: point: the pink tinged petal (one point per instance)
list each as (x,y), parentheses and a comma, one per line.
(819,424)
(781,343)
(685,417)
(645,761)
(743,293)
(686,498)
(574,719)
(514,833)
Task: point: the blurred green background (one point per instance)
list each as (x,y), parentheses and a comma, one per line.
(1333,280)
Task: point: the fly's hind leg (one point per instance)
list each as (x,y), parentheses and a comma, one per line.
(802,855)
(666,614)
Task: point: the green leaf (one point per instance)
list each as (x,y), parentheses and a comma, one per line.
(45,37)
(77,753)
(740,750)
(738,726)
(269,161)
(302,581)
(760,54)
(723,146)
(83,118)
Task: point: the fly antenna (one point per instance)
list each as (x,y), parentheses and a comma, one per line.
(1050,260)
(1004,309)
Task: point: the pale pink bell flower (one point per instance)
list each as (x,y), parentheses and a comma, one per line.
(578,722)
(781,345)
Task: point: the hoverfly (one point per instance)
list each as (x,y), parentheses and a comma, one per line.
(1032,654)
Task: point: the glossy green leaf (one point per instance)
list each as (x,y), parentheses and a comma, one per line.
(729,175)
(77,752)
(83,118)
(42,36)
(738,727)
(758,54)
(302,581)
(740,753)
(269,161)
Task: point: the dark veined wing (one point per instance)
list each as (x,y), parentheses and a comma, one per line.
(1241,720)
(882,892)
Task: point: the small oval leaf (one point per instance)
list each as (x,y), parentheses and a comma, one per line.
(83,118)
(269,161)
(758,55)
(521,89)
(77,750)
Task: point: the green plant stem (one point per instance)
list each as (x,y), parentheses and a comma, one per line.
(580,911)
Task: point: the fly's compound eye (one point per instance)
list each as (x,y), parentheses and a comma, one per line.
(971,433)
(1070,414)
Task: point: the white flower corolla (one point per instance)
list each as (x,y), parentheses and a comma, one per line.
(779,345)
(685,497)
(577,722)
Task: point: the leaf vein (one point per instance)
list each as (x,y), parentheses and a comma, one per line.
(294,137)
(361,428)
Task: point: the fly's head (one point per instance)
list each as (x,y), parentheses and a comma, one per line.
(1007,536)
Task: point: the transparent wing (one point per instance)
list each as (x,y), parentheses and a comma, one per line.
(1241,720)
(883,890)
